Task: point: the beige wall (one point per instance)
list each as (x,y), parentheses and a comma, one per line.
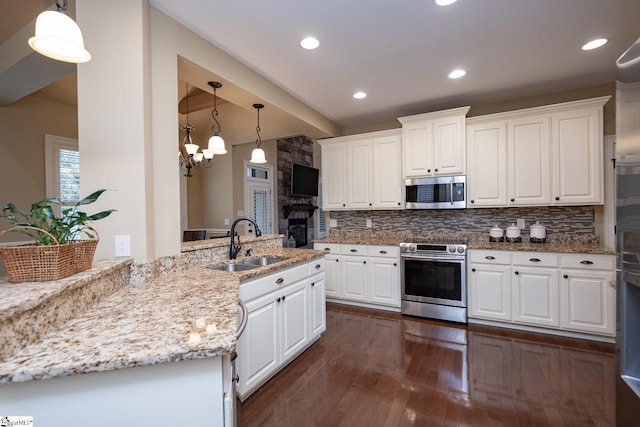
(23,126)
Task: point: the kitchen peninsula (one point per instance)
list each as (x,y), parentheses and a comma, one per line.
(87,337)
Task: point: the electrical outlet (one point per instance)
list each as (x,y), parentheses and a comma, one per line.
(369,223)
(333,223)
(520,223)
(123,246)
(226,221)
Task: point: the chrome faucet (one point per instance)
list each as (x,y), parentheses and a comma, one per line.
(234,248)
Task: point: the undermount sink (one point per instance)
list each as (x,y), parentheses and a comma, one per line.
(233,266)
(246,263)
(263,260)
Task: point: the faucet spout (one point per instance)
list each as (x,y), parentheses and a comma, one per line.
(234,248)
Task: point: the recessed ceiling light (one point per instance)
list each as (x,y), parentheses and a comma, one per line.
(594,44)
(456,74)
(359,95)
(310,43)
(445,2)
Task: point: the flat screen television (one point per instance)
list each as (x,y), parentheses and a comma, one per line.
(304,181)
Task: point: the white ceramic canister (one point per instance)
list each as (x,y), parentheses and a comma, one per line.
(496,234)
(538,233)
(513,234)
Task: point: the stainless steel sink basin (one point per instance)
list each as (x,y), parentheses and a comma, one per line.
(233,266)
(262,260)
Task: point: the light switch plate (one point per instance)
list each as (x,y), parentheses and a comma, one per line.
(333,223)
(520,223)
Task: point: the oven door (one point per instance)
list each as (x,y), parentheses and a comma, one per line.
(435,280)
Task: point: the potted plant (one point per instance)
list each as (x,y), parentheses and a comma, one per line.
(59,249)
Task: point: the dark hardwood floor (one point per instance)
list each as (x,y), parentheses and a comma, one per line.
(372,368)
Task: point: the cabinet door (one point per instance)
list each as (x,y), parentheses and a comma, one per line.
(354,276)
(529,164)
(588,301)
(387,179)
(334,177)
(487,164)
(417,146)
(577,157)
(332,276)
(449,146)
(294,319)
(490,291)
(384,281)
(317,306)
(359,175)
(535,295)
(258,345)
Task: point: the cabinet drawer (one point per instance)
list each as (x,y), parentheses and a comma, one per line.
(587,261)
(354,250)
(489,257)
(537,259)
(255,288)
(316,266)
(330,248)
(384,251)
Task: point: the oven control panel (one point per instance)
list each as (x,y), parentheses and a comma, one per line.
(433,248)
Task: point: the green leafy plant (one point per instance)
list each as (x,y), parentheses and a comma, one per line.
(66,228)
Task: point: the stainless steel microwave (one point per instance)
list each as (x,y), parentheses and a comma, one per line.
(438,192)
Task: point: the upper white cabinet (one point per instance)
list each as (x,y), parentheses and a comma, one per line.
(551,155)
(434,143)
(362,171)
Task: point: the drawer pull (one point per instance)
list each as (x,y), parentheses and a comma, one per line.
(383,252)
(364,262)
(395,264)
(278,300)
(516,273)
(354,250)
(586,262)
(534,259)
(313,283)
(612,284)
(473,269)
(318,266)
(327,249)
(566,276)
(279,281)
(490,257)
(283,297)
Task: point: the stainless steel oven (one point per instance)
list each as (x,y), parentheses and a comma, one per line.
(433,277)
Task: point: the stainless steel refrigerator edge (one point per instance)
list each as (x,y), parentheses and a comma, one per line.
(628,237)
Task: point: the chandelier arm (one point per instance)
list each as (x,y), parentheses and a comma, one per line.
(62,8)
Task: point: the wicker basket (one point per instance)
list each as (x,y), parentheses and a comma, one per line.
(33,263)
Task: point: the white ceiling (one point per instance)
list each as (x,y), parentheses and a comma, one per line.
(400,52)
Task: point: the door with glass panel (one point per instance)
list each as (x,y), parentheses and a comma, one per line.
(259,197)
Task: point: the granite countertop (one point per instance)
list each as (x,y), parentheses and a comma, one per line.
(560,244)
(183,315)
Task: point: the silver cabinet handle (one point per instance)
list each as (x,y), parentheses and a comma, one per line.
(491,257)
(279,281)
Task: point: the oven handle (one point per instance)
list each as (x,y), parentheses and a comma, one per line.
(453,259)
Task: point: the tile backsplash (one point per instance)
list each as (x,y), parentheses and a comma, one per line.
(561,219)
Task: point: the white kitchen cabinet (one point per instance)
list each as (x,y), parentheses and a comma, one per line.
(364,171)
(577,156)
(360,174)
(317,306)
(487,164)
(384,281)
(387,176)
(354,277)
(334,177)
(489,287)
(285,314)
(588,293)
(536,296)
(529,164)
(434,143)
(367,275)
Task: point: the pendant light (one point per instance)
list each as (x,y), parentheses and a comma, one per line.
(188,154)
(58,37)
(257,155)
(216,143)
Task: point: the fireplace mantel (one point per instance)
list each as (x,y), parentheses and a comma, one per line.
(309,208)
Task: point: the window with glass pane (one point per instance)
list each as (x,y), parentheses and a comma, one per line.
(261,209)
(69,176)
(62,168)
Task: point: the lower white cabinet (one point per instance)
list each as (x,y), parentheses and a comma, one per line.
(574,293)
(362,274)
(286,313)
